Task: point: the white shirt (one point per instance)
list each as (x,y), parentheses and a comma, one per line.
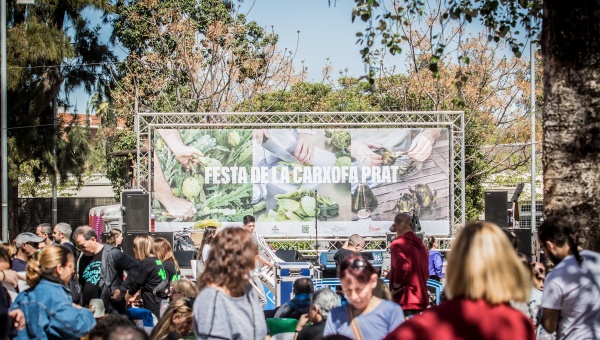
(575,291)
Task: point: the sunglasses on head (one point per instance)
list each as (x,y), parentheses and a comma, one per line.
(189,302)
(359,264)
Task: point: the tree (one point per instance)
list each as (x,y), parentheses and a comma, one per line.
(190,56)
(186,57)
(570,53)
(50,47)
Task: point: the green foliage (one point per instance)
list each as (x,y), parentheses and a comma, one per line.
(116,166)
(502,19)
(45,60)
(190,56)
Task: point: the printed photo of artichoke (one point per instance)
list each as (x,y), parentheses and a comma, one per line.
(219,148)
(421,168)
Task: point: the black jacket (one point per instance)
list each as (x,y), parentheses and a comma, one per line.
(114,264)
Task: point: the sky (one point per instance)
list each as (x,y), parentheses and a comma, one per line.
(327,35)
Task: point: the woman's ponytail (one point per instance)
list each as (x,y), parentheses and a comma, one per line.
(45,266)
(33,273)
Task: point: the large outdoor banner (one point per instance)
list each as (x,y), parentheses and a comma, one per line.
(298,182)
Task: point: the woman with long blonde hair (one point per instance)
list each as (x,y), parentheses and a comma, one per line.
(227,306)
(156,286)
(176,323)
(47,305)
(483,276)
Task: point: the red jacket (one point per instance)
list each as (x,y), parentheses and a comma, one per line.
(409,272)
(463,319)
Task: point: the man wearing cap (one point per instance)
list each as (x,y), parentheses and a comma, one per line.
(27,245)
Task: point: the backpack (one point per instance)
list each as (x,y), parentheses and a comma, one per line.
(160,292)
(74,285)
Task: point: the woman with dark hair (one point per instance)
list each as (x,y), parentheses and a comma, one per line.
(227,306)
(572,289)
(115,237)
(47,305)
(204,250)
(207,238)
(367,316)
(436,261)
(164,252)
(155,288)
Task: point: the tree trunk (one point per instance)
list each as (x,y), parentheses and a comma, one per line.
(571,112)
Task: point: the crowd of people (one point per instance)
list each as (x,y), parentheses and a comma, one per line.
(56,288)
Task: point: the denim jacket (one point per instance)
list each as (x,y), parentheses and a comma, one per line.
(49,313)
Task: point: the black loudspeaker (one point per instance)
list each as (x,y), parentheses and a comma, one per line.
(184,257)
(496,208)
(166,235)
(127,243)
(129,236)
(136,210)
(289,255)
(104,237)
(524,237)
(389,238)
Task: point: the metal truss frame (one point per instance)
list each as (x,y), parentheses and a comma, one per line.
(454,121)
(307,245)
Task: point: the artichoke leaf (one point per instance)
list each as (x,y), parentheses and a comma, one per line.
(292,216)
(288,204)
(309,205)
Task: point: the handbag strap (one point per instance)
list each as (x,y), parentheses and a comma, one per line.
(354,325)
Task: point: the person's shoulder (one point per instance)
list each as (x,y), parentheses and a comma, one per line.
(111,251)
(398,240)
(389,307)
(206,293)
(336,312)
(340,252)
(212,293)
(149,261)
(47,290)
(594,256)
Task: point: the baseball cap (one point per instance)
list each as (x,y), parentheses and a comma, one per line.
(23,238)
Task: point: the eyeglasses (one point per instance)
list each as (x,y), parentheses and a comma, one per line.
(35,245)
(359,264)
(84,245)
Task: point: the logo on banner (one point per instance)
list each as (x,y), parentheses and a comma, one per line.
(337,229)
(305,229)
(374,230)
(275,229)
